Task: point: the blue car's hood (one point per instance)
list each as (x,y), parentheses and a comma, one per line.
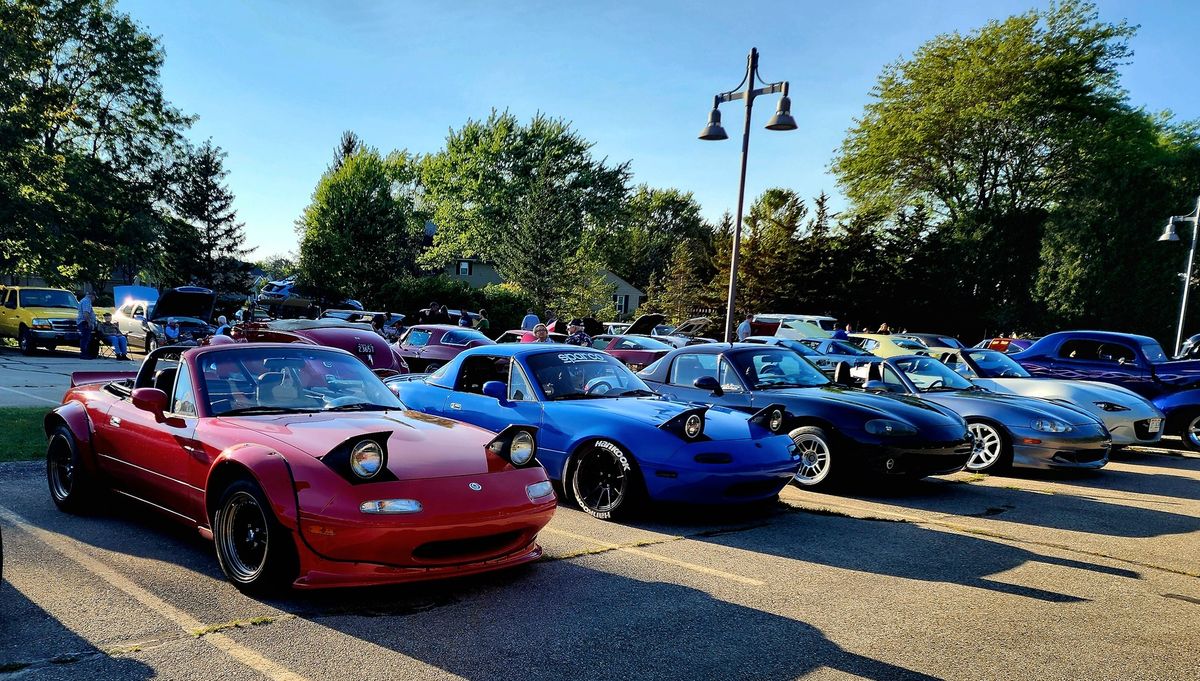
(1008,408)
(871,405)
(719,423)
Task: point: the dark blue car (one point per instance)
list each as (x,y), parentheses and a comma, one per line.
(602,432)
(1134,362)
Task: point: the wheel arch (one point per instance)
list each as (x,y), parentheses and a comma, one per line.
(74,416)
(266,467)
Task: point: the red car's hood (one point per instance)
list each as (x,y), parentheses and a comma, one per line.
(420,446)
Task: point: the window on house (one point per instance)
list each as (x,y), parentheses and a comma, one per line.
(621,302)
(464,268)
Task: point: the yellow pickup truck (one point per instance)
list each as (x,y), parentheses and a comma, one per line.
(38,317)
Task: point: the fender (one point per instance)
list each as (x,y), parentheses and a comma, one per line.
(1173,405)
(74,415)
(268,468)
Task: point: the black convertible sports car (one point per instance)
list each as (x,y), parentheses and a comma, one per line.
(838,430)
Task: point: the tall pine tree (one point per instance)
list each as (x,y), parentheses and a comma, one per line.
(203,206)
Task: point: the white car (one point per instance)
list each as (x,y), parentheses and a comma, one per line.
(1130,419)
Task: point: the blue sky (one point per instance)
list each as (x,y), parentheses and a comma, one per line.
(275,82)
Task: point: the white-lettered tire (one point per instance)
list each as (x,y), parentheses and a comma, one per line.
(993,450)
(70,488)
(255,552)
(816,458)
(605,481)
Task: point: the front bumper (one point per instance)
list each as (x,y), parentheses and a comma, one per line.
(723,471)
(53,337)
(1085,447)
(917,459)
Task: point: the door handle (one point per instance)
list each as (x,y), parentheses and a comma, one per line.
(114,421)
(455,406)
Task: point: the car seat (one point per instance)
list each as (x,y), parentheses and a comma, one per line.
(841,374)
(688,369)
(164,379)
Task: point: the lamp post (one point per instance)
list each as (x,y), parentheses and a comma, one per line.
(1170,235)
(782,120)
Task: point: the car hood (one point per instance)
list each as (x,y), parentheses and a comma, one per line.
(918,413)
(1015,409)
(692,328)
(419,446)
(51,312)
(644,325)
(189,301)
(1083,393)
(719,423)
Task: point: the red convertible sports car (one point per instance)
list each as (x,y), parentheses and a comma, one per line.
(301,466)
(426,347)
(359,340)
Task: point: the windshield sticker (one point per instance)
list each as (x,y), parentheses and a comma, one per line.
(576,357)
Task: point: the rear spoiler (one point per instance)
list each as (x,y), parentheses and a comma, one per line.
(89,377)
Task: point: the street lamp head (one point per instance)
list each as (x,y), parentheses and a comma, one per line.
(714,131)
(782,120)
(1169,232)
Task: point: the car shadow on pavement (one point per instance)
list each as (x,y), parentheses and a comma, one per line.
(35,645)
(1043,508)
(560,619)
(1112,480)
(1152,460)
(906,550)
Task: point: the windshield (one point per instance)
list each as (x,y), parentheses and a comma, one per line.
(930,375)
(281,380)
(841,348)
(948,342)
(799,348)
(462,337)
(993,364)
(909,344)
(1154,353)
(827,324)
(583,374)
(47,298)
(776,368)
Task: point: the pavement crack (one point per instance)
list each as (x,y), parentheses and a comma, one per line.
(1180,597)
(237,624)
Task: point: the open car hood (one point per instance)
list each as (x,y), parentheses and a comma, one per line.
(644,325)
(185,301)
(693,327)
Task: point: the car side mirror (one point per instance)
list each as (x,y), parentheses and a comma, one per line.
(875,386)
(710,384)
(152,400)
(496,390)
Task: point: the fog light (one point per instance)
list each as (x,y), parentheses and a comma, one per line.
(390,506)
(539,490)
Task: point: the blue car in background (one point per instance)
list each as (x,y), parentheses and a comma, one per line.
(1130,361)
(604,434)
(830,352)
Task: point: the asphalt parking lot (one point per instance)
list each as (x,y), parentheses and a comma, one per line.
(963,577)
(41,379)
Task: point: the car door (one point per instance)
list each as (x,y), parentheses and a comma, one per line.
(468,403)
(150,455)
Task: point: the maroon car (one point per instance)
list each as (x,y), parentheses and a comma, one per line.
(426,347)
(636,352)
(357,339)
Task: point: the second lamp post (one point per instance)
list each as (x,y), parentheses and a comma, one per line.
(782,120)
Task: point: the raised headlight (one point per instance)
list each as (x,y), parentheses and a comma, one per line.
(889,427)
(1051,426)
(693,426)
(775,424)
(521,451)
(366,459)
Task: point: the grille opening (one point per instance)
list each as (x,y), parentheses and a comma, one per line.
(464,548)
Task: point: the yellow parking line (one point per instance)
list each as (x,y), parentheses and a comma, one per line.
(662,559)
(189,624)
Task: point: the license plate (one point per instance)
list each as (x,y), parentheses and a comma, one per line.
(1155,425)
(366,349)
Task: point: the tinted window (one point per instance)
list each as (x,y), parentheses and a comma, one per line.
(462,337)
(10,301)
(479,369)
(1154,352)
(767,368)
(601,343)
(1096,351)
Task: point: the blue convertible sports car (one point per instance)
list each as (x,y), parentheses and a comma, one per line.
(603,433)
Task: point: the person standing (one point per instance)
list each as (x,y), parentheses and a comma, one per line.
(112,333)
(85,321)
(842,334)
(531,320)
(884,330)
(576,335)
(482,324)
(743,329)
(222,326)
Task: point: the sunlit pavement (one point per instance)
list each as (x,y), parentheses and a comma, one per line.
(40,379)
(965,577)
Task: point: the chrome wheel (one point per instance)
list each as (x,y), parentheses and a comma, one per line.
(243,536)
(1191,434)
(989,447)
(814,458)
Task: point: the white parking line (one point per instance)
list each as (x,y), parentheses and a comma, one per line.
(30,395)
(662,559)
(189,624)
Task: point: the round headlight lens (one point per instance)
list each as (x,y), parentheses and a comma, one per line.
(1051,426)
(776,422)
(366,459)
(520,452)
(693,426)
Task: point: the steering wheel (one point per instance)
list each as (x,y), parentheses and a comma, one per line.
(597,386)
(936,383)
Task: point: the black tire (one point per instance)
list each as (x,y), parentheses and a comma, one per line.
(24,342)
(1189,431)
(432,367)
(70,488)
(817,469)
(255,552)
(993,451)
(150,343)
(605,481)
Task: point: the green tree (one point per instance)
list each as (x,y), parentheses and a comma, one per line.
(682,287)
(479,186)
(655,221)
(203,202)
(362,228)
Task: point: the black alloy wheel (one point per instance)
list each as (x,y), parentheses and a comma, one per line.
(70,488)
(255,552)
(605,482)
